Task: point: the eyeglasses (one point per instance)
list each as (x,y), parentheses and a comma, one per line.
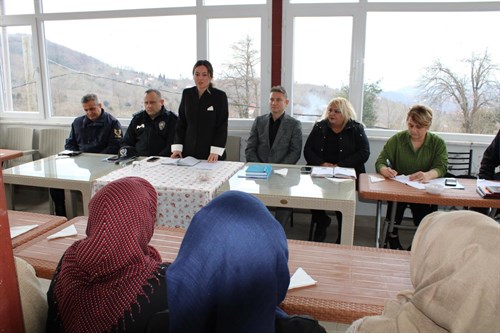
(334,110)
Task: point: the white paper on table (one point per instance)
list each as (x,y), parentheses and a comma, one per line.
(339,180)
(406,180)
(66,232)
(282,172)
(374,179)
(204,165)
(16,231)
(301,279)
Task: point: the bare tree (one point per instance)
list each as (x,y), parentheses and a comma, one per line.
(241,76)
(473,93)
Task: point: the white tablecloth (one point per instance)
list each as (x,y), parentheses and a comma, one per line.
(182,191)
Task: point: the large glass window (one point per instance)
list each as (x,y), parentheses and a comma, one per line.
(119,59)
(18,7)
(235,52)
(321,66)
(61,6)
(445,60)
(20,75)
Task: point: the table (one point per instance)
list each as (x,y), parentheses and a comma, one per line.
(69,173)
(353,281)
(7,154)
(296,190)
(45,223)
(391,190)
(182,191)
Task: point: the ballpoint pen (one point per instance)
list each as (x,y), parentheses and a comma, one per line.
(389,165)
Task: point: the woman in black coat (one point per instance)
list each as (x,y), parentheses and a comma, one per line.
(336,140)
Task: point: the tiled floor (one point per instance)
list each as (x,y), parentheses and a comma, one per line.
(35,200)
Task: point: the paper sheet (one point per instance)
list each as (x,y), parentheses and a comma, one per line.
(301,279)
(282,172)
(374,179)
(16,231)
(340,180)
(66,232)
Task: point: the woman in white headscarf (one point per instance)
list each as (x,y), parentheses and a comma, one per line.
(455,270)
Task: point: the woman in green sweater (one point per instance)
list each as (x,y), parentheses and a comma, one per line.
(417,153)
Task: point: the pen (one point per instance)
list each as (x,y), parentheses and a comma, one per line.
(389,165)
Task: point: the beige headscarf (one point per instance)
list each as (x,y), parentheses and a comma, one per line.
(455,270)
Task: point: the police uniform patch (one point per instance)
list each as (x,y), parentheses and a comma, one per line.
(118,132)
(161,125)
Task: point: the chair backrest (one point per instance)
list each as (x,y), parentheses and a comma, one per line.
(20,138)
(459,164)
(52,141)
(233,145)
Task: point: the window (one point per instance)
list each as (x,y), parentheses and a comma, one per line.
(400,54)
(120,48)
(118,59)
(20,78)
(320,65)
(385,58)
(234,51)
(61,6)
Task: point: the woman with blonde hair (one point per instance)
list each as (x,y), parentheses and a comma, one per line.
(336,140)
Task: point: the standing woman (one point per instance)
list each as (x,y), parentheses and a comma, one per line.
(336,140)
(203,115)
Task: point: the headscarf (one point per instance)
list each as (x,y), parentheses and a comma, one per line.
(231,271)
(455,270)
(101,276)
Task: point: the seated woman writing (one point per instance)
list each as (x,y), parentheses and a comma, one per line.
(418,154)
(111,281)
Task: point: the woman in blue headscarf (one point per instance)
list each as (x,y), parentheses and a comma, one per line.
(232,271)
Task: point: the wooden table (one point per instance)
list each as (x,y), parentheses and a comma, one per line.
(353,281)
(391,190)
(7,154)
(45,223)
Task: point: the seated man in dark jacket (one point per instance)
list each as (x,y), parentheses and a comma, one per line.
(152,130)
(491,160)
(95,132)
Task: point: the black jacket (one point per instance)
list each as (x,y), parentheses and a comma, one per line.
(491,159)
(151,137)
(100,136)
(353,147)
(202,122)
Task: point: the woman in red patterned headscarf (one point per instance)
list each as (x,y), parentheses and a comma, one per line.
(112,281)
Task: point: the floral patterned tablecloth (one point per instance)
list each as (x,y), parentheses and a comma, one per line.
(182,191)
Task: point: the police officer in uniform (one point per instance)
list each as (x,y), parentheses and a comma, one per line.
(152,130)
(95,132)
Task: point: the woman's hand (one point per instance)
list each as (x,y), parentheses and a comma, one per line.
(212,158)
(388,172)
(420,176)
(176,154)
